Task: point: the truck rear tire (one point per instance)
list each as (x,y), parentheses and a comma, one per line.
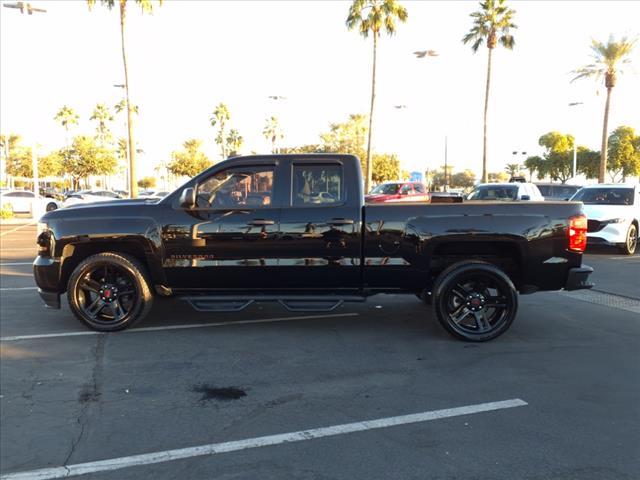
(109,292)
(475,301)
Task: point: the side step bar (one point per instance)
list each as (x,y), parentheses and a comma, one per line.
(293,303)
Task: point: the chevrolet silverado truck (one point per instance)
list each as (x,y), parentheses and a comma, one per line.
(295,229)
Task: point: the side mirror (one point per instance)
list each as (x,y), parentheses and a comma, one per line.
(188,198)
(525,197)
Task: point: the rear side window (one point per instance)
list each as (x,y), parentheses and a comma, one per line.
(418,187)
(317,184)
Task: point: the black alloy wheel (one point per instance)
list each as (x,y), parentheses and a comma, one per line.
(475,301)
(109,292)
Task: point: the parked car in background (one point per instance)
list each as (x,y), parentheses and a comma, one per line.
(505,192)
(90,196)
(398,192)
(613,215)
(557,191)
(152,193)
(24,201)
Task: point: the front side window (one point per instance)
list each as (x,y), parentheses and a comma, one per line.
(418,187)
(317,184)
(237,187)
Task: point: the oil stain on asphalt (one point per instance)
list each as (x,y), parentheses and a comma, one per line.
(224,394)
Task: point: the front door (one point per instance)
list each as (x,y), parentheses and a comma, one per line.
(229,240)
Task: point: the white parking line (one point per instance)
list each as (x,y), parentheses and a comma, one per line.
(11,264)
(216,448)
(10,289)
(175,327)
(16,229)
(625,258)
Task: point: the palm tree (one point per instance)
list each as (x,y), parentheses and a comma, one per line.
(513,169)
(147,7)
(491,24)
(234,141)
(273,133)
(373,16)
(101,114)
(610,60)
(66,117)
(220,117)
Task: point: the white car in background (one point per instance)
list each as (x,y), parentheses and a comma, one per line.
(90,196)
(613,215)
(505,192)
(25,201)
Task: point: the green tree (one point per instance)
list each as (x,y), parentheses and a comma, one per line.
(147,182)
(348,137)
(491,24)
(190,160)
(386,166)
(220,117)
(146,6)
(372,17)
(85,157)
(67,118)
(624,155)
(466,179)
(234,142)
(498,177)
(557,161)
(314,148)
(102,115)
(609,61)
(532,164)
(272,132)
(588,162)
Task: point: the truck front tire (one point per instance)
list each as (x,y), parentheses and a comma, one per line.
(109,292)
(475,301)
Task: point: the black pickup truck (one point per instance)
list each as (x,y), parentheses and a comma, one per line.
(294,229)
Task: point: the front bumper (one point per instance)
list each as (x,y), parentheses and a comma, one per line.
(51,299)
(578,278)
(610,234)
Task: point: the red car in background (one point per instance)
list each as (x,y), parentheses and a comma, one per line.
(398,192)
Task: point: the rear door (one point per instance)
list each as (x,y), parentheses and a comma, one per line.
(320,242)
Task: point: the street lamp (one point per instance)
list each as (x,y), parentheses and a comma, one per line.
(430,53)
(575,144)
(34,157)
(515,157)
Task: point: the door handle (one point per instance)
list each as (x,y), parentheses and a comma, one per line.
(259,222)
(340,221)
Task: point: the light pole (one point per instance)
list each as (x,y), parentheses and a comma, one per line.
(575,145)
(429,53)
(515,158)
(22,6)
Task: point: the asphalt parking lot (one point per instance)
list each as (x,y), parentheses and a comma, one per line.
(375,390)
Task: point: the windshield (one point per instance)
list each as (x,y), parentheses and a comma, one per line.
(494,192)
(386,189)
(604,196)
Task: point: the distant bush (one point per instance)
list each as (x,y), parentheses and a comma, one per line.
(6,212)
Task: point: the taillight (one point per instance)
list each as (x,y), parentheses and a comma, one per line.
(578,233)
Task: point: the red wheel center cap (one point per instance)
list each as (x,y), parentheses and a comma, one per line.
(107,293)
(475,302)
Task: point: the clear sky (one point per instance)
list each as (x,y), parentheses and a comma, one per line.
(190,55)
